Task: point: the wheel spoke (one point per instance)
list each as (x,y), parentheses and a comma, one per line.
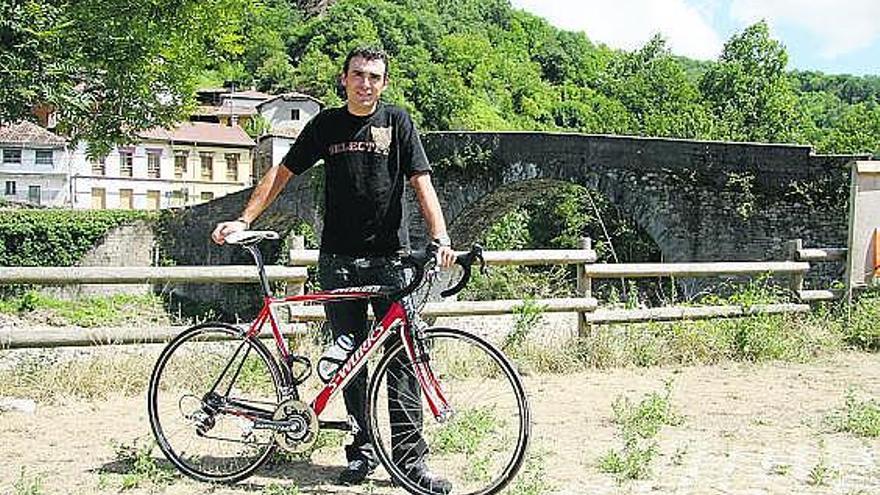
(200,437)
(480,448)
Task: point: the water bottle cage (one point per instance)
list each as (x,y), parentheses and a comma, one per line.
(333,362)
(304,374)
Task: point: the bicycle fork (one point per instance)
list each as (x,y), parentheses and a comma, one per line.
(420,358)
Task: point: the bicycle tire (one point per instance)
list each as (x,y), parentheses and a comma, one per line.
(201,353)
(482,447)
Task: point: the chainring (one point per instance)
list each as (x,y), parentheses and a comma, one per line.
(302,426)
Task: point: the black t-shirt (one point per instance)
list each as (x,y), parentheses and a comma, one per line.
(365,162)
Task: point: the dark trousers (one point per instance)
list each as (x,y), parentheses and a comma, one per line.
(404,395)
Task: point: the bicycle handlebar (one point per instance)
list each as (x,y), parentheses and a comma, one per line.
(418,259)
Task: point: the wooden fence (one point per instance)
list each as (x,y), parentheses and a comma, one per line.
(295,274)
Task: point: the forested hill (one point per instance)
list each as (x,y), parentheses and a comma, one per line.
(480,64)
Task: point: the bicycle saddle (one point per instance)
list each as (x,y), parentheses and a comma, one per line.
(251,236)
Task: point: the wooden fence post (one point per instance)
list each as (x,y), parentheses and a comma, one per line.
(797,279)
(584,288)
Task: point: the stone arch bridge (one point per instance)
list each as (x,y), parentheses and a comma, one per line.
(698,200)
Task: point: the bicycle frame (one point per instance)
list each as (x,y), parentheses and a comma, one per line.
(394,319)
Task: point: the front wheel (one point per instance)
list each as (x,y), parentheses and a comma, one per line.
(480,448)
(207,393)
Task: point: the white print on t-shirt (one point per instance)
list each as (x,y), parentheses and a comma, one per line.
(382,137)
(354,147)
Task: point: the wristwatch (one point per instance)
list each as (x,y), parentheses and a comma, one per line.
(443,240)
(247,224)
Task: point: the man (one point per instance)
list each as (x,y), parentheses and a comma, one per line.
(368,149)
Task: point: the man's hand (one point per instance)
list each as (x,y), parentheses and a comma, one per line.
(223,229)
(445,256)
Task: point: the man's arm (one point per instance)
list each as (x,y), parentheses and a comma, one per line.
(264,194)
(430,207)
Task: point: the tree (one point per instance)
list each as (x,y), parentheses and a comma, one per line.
(110,68)
(749,91)
(856,131)
(657,92)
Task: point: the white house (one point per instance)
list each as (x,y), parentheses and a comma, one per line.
(287,114)
(33,165)
(192,163)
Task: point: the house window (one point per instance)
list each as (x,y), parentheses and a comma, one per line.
(44,157)
(153,200)
(11,156)
(153,163)
(294,114)
(207,160)
(126,163)
(98,166)
(232,167)
(34,196)
(177,198)
(99,198)
(179,164)
(10,188)
(207,196)
(126,199)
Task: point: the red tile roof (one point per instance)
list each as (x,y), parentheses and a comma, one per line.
(29,133)
(201,132)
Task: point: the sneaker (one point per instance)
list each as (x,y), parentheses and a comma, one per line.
(355,473)
(428,481)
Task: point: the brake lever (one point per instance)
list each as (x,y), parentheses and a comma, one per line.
(477,251)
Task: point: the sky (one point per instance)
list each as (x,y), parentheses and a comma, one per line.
(832,36)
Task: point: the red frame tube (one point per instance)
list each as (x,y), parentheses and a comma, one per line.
(395,318)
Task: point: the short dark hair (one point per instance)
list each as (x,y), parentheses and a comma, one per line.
(367,53)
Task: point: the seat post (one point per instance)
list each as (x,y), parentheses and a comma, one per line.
(261,268)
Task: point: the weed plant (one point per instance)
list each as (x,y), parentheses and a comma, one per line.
(531,480)
(27,485)
(120,309)
(140,467)
(861,417)
(93,378)
(638,425)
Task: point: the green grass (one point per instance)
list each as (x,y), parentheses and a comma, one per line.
(860,323)
(141,468)
(638,425)
(93,378)
(464,434)
(120,309)
(821,474)
(861,417)
(532,480)
(27,485)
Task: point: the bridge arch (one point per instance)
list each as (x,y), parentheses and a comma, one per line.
(698,200)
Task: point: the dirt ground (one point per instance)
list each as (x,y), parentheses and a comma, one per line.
(747,429)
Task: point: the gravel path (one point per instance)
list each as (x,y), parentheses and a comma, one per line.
(747,429)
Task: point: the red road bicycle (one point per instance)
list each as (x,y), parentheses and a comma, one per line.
(220,403)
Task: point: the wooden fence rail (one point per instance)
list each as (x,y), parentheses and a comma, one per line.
(227,274)
(295,274)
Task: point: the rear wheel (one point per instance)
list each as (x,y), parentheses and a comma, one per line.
(480,448)
(207,389)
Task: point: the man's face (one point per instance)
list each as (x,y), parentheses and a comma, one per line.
(364,83)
